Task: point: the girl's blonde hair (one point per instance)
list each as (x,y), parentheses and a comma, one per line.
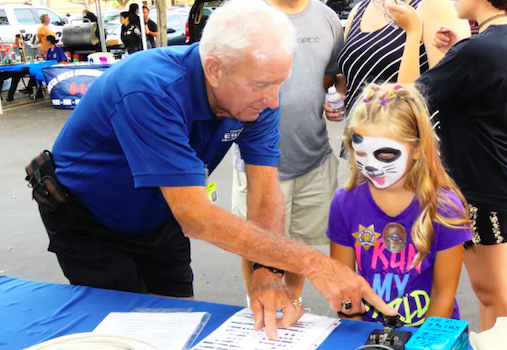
(403,110)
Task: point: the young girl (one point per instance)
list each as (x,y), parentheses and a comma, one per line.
(400,217)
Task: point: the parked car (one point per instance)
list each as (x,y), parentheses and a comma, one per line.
(199,14)
(176,18)
(175,26)
(342,8)
(202,9)
(15,19)
(111,20)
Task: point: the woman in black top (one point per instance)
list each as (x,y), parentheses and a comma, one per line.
(374,45)
(130,33)
(134,15)
(469,87)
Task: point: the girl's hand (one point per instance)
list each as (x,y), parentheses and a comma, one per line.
(445,38)
(405,16)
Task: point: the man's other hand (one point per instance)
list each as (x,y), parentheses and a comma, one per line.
(267,295)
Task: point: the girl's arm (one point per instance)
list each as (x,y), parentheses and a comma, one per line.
(346,256)
(445,281)
(433,14)
(407,18)
(437,13)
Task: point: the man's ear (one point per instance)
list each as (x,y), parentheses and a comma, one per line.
(213,71)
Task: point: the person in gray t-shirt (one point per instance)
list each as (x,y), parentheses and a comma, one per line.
(307,169)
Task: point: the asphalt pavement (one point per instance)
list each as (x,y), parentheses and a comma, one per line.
(26,131)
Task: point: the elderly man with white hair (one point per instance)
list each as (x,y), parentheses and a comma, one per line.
(135,155)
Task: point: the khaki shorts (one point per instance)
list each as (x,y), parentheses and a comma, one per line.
(307,200)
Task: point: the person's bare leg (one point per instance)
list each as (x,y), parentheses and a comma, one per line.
(486,268)
(294,283)
(482,313)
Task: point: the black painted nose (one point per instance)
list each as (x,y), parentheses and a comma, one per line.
(371,169)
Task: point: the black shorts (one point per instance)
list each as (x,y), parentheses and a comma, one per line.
(91,254)
(488,227)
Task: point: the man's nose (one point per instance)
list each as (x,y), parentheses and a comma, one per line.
(272,97)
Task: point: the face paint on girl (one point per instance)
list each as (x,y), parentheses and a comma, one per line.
(381,160)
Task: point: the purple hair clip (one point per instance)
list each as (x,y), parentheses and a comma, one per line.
(397,87)
(383,102)
(366,100)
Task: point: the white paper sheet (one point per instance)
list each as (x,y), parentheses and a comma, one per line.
(237,334)
(168,331)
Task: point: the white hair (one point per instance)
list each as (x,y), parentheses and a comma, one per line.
(239,25)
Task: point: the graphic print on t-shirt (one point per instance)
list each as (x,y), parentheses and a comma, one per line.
(366,237)
(395,237)
(385,252)
(385,261)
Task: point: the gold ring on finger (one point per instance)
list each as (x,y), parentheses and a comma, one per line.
(297,302)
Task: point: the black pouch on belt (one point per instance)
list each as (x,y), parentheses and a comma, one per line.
(47,190)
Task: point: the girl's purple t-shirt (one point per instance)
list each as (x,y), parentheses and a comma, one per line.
(385,251)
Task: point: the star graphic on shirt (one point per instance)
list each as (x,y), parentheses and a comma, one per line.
(366,237)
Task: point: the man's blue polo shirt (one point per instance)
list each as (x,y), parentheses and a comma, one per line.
(146,123)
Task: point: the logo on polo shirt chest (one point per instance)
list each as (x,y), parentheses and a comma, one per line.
(232,135)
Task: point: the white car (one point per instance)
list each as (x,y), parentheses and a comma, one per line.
(15,19)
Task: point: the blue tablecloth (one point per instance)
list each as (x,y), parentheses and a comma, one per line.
(67,83)
(35,68)
(32,312)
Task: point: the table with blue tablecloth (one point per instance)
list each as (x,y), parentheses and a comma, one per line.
(17,70)
(66,84)
(32,312)
(34,68)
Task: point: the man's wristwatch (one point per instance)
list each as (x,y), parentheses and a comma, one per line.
(272,269)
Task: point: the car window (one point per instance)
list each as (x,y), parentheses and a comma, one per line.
(183,19)
(212,3)
(53,17)
(173,22)
(3,18)
(342,5)
(25,16)
(111,18)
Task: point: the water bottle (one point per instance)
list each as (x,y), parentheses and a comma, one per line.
(335,99)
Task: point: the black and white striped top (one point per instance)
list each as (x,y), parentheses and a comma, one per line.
(373,57)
